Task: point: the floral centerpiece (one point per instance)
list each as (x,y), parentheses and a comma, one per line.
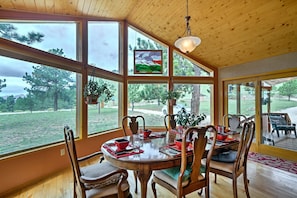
(186,119)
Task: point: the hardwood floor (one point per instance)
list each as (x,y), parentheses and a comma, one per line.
(265,182)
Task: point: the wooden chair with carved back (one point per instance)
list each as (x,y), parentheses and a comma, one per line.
(232,164)
(95,180)
(134,123)
(131,125)
(170,121)
(191,175)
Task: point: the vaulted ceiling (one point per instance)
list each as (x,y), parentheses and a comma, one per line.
(232,31)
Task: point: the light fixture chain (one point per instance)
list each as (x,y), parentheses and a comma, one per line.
(187,43)
(188,29)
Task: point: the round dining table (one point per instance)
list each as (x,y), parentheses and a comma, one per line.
(150,158)
(145,162)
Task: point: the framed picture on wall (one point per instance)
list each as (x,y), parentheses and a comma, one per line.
(148,62)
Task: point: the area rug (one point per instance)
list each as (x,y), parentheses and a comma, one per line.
(275,162)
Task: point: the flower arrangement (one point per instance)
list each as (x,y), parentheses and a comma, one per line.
(186,119)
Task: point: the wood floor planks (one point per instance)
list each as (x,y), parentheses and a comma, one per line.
(265,182)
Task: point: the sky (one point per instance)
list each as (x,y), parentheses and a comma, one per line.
(103,50)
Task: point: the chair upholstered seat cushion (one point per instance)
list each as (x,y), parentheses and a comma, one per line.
(229,156)
(227,167)
(99,169)
(168,179)
(106,191)
(175,171)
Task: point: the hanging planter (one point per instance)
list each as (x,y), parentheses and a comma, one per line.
(91,99)
(171,97)
(93,90)
(172,102)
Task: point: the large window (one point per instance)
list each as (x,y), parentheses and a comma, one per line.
(197,99)
(183,66)
(104,115)
(242,99)
(41,93)
(139,41)
(36,101)
(43,36)
(103,43)
(145,100)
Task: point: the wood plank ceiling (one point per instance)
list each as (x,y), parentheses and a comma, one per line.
(232,31)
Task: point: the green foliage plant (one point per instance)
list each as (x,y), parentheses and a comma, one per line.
(187,119)
(96,89)
(168,95)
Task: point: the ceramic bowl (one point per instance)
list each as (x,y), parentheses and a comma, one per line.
(221,136)
(121,143)
(178,143)
(146,133)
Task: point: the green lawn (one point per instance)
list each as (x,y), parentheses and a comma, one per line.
(24,130)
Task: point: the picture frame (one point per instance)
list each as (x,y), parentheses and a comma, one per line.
(148,62)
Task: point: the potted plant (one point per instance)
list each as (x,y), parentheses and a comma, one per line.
(93,90)
(171,96)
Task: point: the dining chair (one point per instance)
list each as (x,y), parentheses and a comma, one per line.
(191,175)
(232,164)
(133,126)
(234,121)
(170,121)
(96,180)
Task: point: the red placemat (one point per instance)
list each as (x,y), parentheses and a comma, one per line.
(112,149)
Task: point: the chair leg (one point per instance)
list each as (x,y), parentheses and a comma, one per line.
(74,189)
(246,184)
(234,182)
(215,181)
(200,192)
(135,178)
(277,131)
(153,184)
(206,191)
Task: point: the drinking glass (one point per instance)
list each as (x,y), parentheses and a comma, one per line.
(137,142)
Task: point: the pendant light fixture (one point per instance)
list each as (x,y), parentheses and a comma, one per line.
(187,43)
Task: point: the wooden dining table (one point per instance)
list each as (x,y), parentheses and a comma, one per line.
(150,158)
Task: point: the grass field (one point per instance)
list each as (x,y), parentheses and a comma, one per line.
(25,130)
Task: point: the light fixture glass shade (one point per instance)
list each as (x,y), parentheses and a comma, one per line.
(187,44)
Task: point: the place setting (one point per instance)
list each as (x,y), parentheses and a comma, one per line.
(123,147)
(148,134)
(174,149)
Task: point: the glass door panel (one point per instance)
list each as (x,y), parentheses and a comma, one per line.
(240,102)
(279,112)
